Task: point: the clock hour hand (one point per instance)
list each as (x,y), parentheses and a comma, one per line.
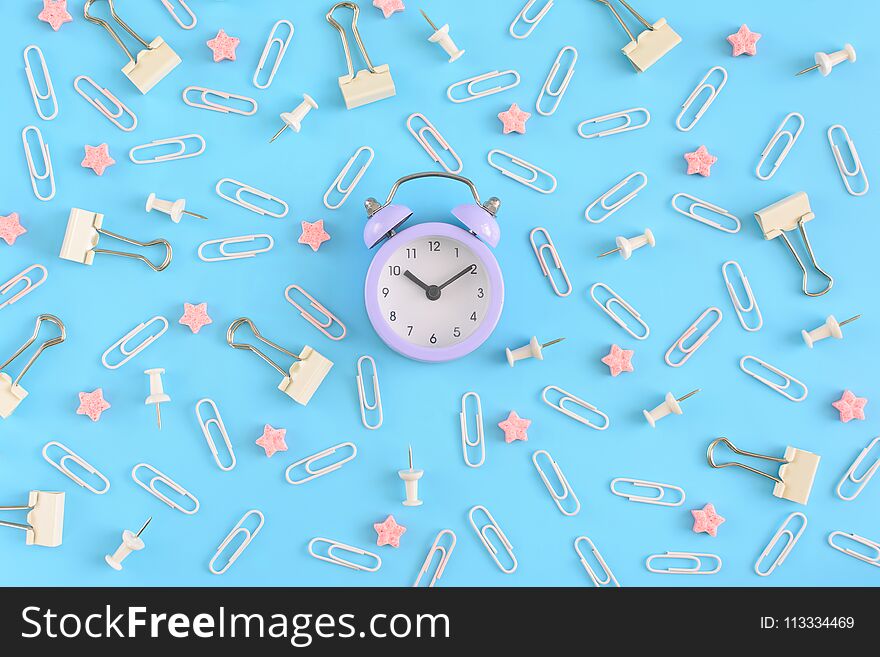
(464,271)
(431,291)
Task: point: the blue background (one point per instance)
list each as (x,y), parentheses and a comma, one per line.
(670,285)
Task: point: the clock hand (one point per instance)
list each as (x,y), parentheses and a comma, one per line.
(459,275)
(431,291)
(415,280)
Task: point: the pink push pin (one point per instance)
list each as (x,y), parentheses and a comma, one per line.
(830,329)
(626,246)
(825,62)
(669,405)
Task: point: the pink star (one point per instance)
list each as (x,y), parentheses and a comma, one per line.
(389,532)
(744,41)
(514,119)
(92,404)
(272,440)
(195,316)
(706,520)
(850,406)
(97,158)
(388,7)
(55,13)
(313,234)
(700,161)
(619,360)
(223,46)
(514,427)
(11,228)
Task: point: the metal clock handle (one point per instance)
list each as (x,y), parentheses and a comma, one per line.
(491,205)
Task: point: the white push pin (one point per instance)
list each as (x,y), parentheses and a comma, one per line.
(131,542)
(830,329)
(157,394)
(442,37)
(825,62)
(174,209)
(293,120)
(411,478)
(532,350)
(669,405)
(626,246)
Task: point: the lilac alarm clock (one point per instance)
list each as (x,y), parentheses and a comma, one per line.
(434,291)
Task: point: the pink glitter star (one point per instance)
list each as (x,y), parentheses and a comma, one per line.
(619,360)
(388,7)
(195,316)
(389,532)
(706,520)
(744,41)
(223,46)
(92,404)
(514,427)
(97,158)
(850,406)
(11,228)
(55,13)
(514,119)
(272,440)
(313,234)
(700,161)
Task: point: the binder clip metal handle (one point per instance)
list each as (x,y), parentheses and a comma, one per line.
(45,518)
(11,393)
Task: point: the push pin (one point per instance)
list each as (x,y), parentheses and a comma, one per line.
(293,120)
(411,477)
(130,543)
(157,394)
(669,405)
(627,246)
(830,329)
(174,209)
(532,350)
(442,37)
(825,62)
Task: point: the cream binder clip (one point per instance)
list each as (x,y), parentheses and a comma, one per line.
(11,393)
(796,474)
(45,518)
(369,84)
(644,50)
(153,63)
(305,375)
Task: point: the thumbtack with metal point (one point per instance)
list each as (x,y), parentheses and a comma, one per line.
(626,246)
(174,209)
(825,61)
(532,350)
(157,394)
(411,479)
(441,36)
(130,543)
(294,119)
(670,405)
(830,329)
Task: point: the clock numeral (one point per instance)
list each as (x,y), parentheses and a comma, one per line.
(433,245)
(456,252)
(411,254)
(473,269)
(456,332)
(433,339)
(409,330)
(480,294)
(385,291)
(392,316)
(474,316)
(394,270)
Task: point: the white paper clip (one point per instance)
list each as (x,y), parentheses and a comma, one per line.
(331,557)
(206,96)
(131,542)
(242,188)
(557,262)
(345,191)
(11,392)
(742,309)
(861,480)
(872,558)
(829,329)
(249,535)
(29,285)
(177,19)
(429,129)
(179,154)
(796,474)
(215,421)
(845,172)
(714,90)
(688,350)
(534,172)
(615,299)
(626,246)
(608,578)
(531,21)
(493,527)
(696,558)
(614,206)
(62,467)
(114,115)
(444,552)
(480,441)
(309,461)
(791,538)
(44,522)
(36,94)
(48,173)
(376,405)
(781,133)
(166,481)
(325,323)
(303,378)
(659,499)
(577,401)
(699,203)
(83,232)
(271,42)
(130,352)
(780,387)
(224,254)
(567,492)
(470,83)
(669,406)
(646,49)
(626,126)
(557,93)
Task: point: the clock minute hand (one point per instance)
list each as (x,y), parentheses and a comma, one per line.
(458,275)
